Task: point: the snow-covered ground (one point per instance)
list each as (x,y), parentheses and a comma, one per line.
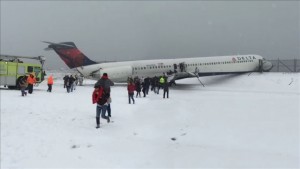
(245,121)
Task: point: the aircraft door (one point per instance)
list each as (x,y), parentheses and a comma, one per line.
(182,67)
(175,67)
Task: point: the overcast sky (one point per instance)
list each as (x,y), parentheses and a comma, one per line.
(132,30)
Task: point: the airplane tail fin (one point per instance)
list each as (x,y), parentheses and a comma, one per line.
(69,53)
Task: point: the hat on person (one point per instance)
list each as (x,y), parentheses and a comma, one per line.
(105,75)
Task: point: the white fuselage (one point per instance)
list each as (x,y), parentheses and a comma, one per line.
(120,71)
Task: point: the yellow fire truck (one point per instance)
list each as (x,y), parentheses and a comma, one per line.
(12,69)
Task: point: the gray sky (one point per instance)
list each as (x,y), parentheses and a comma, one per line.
(133,30)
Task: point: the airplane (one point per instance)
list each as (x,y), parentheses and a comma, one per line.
(176,69)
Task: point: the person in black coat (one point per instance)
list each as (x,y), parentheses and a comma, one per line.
(66,78)
(67,83)
(106,83)
(147,84)
(71,83)
(166,89)
(144,88)
(138,88)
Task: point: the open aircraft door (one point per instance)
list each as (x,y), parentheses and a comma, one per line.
(182,67)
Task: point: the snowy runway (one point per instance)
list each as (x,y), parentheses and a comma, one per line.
(234,121)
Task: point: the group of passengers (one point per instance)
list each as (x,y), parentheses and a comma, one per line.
(137,85)
(27,83)
(101,94)
(70,82)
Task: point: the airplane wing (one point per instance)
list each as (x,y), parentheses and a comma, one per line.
(181,75)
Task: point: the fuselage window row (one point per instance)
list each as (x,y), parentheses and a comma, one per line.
(193,64)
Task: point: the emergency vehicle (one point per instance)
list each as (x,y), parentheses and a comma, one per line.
(13,69)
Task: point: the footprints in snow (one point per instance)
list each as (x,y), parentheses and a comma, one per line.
(182,134)
(78,146)
(174,138)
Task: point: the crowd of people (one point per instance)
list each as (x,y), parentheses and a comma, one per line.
(154,84)
(102,89)
(70,82)
(27,82)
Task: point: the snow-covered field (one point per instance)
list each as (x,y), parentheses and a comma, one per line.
(245,121)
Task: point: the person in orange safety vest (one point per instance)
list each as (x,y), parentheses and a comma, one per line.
(31,80)
(50,83)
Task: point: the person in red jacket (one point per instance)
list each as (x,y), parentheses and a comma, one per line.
(100,97)
(131,88)
(30,80)
(50,83)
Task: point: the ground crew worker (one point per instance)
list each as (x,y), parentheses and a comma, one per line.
(30,80)
(161,81)
(50,83)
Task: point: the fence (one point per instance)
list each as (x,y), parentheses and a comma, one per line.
(288,65)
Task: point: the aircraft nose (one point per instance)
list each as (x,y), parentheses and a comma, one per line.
(267,66)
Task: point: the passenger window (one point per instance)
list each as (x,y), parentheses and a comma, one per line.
(37,70)
(29,69)
(21,70)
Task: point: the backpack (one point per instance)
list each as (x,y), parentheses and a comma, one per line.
(97,94)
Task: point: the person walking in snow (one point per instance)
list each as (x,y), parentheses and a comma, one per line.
(80,79)
(144,88)
(71,82)
(106,83)
(50,83)
(23,85)
(76,79)
(67,83)
(31,81)
(166,89)
(66,79)
(75,83)
(100,97)
(138,88)
(156,85)
(130,89)
(147,84)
